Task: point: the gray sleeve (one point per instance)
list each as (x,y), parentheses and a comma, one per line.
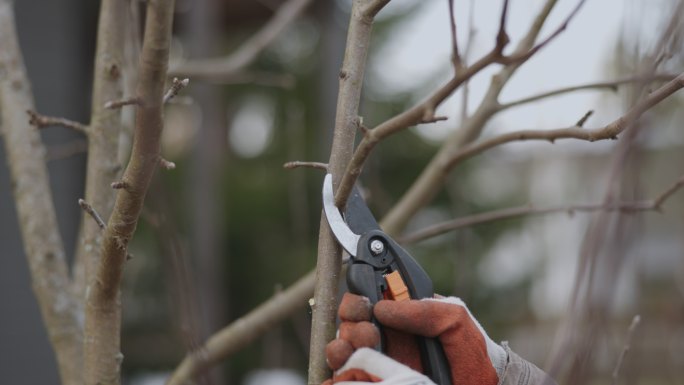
(521,372)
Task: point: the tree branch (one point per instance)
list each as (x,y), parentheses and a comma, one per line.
(103,308)
(329,260)
(299,163)
(244,330)
(91,211)
(113,104)
(104,131)
(610,131)
(227,66)
(512,212)
(42,121)
(628,342)
(455,55)
(35,210)
(611,85)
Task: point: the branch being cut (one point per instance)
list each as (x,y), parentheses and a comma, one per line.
(227,66)
(496,215)
(103,308)
(328,264)
(35,209)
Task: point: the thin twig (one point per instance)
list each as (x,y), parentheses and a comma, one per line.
(658,201)
(41,121)
(610,85)
(93,213)
(464,60)
(584,118)
(175,88)
(299,163)
(455,56)
(628,342)
(609,131)
(102,356)
(512,212)
(526,55)
(113,104)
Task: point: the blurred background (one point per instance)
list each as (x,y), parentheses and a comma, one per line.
(229,226)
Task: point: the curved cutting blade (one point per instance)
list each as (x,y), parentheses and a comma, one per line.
(345,236)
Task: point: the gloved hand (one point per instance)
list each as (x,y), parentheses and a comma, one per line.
(368,366)
(473,357)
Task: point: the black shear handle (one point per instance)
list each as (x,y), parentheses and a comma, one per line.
(363,279)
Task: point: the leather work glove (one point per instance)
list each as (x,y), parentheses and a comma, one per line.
(473,357)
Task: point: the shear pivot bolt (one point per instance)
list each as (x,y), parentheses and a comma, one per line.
(377,247)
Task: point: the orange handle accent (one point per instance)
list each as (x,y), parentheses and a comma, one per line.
(397,289)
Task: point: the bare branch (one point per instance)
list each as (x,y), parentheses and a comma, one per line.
(104,130)
(424,111)
(584,118)
(658,202)
(328,264)
(628,342)
(513,212)
(102,357)
(455,56)
(244,330)
(114,104)
(35,209)
(93,214)
(610,131)
(502,38)
(176,86)
(431,179)
(526,55)
(298,163)
(42,121)
(610,85)
(228,65)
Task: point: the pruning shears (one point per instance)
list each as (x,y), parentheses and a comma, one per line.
(380,269)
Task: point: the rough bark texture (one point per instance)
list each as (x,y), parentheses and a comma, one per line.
(103,166)
(103,308)
(37,220)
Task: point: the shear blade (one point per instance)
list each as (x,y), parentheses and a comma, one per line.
(345,236)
